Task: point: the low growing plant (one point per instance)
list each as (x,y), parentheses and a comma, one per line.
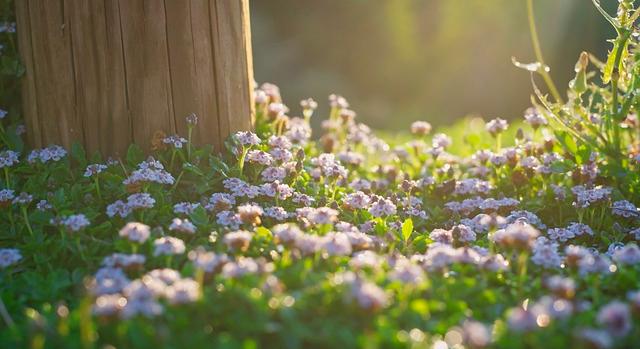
(343,240)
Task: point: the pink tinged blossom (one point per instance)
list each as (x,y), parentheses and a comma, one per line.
(496,126)
(247,138)
(259,157)
(135,232)
(168,246)
(420,128)
(336,244)
(357,200)
(209,262)
(286,233)
(125,261)
(242,266)
(182,226)
(382,207)
(370,296)
(238,240)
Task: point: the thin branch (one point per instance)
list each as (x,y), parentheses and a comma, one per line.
(538,52)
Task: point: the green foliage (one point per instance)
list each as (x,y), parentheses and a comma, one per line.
(407,229)
(601,115)
(411,242)
(11,70)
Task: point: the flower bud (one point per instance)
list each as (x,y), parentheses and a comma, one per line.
(579,83)
(192,119)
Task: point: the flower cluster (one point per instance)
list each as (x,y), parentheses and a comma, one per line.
(378,235)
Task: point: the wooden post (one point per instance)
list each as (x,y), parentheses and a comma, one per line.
(108,73)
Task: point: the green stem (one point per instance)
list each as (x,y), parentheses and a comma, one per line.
(3,138)
(96,181)
(200,277)
(580,215)
(538,52)
(11,220)
(190,131)
(6,177)
(173,157)
(241,160)
(522,275)
(175,185)
(80,250)
(26,219)
(615,77)
(601,219)
(5,315)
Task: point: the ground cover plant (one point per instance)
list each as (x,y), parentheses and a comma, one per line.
(512,236)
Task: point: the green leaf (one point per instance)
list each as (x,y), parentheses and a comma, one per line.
(11,66)
(607,71)
(262,232)
(473,139)
(15,141)
(193,169)
(103,227)
(583,154)
(567,142)
(59,198)
(78,154)
(560,167)
(420,306)
(199,217)
(134,155)
(218,165)
(608,67)
(407,229)
(420,243)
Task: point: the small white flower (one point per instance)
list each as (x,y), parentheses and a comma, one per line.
(140,200)
(175,141)
(73,223)
(23,199)
(420,128)
(247,138)
(135,232)
(182,226)
(382,207)
(118,208)
(94,169)
(496,126)
(238,240)
(168,245)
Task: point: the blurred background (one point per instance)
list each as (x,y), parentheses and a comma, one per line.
(397,61)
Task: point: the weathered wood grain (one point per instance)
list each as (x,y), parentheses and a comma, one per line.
(205,73)
(107,73)
(117,123)
(52,67)
(29,102)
